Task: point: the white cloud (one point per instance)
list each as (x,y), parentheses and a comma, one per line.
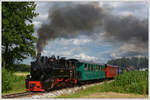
(126,13)
(85,57)
(67,52)
(115,55)
(75,41)
(115,4)
(37,24)
(80,41)
(43,17)
(131,48)
(45,53)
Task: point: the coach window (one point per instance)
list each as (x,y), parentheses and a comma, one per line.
(100,68)
(96,68)
(93,68)
(85,67)
(89,67)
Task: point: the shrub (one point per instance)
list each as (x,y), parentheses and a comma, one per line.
(6,80)
(11,82)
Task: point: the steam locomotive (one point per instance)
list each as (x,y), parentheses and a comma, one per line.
(49,73)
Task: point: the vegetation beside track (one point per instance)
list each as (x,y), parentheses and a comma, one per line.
(13,82)
(135,82)
(22,73)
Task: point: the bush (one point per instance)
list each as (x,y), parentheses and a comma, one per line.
(6,80)
(11,82)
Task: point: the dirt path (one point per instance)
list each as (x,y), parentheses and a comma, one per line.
(114,95)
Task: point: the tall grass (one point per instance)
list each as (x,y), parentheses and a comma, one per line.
(129,82)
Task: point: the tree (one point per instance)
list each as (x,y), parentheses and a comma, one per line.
(128,62)
(17,31)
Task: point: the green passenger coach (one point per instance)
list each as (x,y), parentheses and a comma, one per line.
(88,71)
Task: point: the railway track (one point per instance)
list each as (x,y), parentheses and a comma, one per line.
(69,90)
(27,94)
(15,95)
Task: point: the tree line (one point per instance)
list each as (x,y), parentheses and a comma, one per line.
(136,62)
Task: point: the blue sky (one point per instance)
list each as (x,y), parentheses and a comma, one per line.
(87,48)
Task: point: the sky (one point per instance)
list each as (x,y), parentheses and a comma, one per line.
(90,48)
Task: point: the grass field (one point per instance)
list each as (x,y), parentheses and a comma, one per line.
(135,83)
(21,73)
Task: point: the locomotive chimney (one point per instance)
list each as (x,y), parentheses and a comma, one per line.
(38,56)
(57,57)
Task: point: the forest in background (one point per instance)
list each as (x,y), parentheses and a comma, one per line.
(137,63)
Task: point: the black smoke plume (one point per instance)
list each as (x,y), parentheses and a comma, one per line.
(83,19)
(126,29)
(69,21)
